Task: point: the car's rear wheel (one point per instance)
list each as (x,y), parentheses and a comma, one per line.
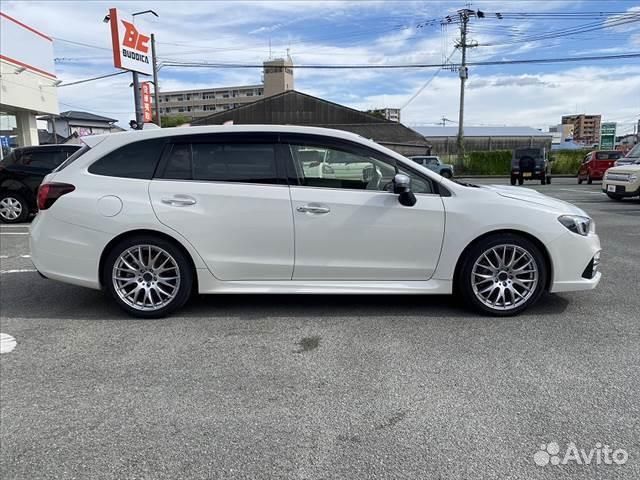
(502,275)
(513,180)
(614,196)
(148,276)
(13,208)
(520,180)
(548,179)
(579,181)
(543,179)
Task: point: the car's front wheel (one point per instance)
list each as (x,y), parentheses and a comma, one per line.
(446,174)
(13,208)
(502,275)
(148,276)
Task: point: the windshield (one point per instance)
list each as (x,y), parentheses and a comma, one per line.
(635,151)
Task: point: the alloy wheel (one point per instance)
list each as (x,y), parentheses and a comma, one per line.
(504,277)
(10,208)
(146,277)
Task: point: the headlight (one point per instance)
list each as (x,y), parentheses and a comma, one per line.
(577,224)
(633,178)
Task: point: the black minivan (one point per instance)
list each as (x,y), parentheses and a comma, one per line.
(21,173)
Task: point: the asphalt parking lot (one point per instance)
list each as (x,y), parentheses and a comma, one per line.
(322,387)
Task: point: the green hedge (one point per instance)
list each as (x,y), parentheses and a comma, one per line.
(567,161)
(497,162)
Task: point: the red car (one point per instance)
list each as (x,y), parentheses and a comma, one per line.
(596,163)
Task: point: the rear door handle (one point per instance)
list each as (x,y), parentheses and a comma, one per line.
(179,201)
(312,208)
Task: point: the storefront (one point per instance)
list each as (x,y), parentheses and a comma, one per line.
(27,80)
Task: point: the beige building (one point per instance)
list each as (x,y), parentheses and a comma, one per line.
(200,103)
(586,128)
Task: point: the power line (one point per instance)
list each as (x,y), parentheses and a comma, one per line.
(81,44)
(93,79)
(411,65)
(428,82)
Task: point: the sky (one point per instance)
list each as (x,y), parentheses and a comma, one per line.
(365,32)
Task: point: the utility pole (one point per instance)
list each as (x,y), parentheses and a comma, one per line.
(463,71)
(156,86)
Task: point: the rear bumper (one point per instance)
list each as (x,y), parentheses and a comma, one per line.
(67,252)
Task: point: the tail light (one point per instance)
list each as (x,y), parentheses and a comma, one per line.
(48,193)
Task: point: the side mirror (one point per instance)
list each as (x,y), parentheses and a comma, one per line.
(402,187)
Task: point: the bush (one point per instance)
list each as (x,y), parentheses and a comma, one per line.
(567,161)
(497,162)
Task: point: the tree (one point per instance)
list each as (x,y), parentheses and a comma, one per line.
(174,121)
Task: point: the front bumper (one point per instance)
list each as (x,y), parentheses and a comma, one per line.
(575,262)
(622,189)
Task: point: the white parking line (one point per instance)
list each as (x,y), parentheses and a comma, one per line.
(7,343)
(14,233)
(19,270)
(580,191)
(15,256)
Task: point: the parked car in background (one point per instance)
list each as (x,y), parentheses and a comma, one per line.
(434,163)
(623,181)
(150,216)
(631,157)
(21,173)
(530,163)
(594,164)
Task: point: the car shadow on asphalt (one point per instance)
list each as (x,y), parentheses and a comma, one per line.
(33,297)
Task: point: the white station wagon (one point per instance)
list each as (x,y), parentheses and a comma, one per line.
(154,216)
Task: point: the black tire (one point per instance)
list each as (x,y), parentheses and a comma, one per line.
(465,273)
(513,180)
(8,199)
(614,196)
(589,180)
(579,181)
(183,283)
(446,174)
(543,180)
(548,179)
(520,180)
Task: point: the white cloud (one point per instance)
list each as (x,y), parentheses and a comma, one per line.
(239,32)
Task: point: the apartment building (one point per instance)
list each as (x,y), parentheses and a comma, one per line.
(200,103)
(586,128)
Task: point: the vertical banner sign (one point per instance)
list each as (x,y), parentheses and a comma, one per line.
(607,135)
(146,101)
(131,47)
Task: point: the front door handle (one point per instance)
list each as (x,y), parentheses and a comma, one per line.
(179,201)
(313,208)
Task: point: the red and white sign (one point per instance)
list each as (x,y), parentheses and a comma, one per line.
(131,47)
(145,88)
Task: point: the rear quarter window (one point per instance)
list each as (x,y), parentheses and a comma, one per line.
(73,157)
(134,160)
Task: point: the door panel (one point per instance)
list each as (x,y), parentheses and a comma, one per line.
(242,231)
(365,235)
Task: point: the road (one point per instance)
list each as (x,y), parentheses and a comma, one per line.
(322,387)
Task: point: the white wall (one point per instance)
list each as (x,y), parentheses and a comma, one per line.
(34,88)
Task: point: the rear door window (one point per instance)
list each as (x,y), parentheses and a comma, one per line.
(135,160)
(46,159)
(223,162)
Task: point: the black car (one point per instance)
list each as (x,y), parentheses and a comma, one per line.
(21,173)
(530,164)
